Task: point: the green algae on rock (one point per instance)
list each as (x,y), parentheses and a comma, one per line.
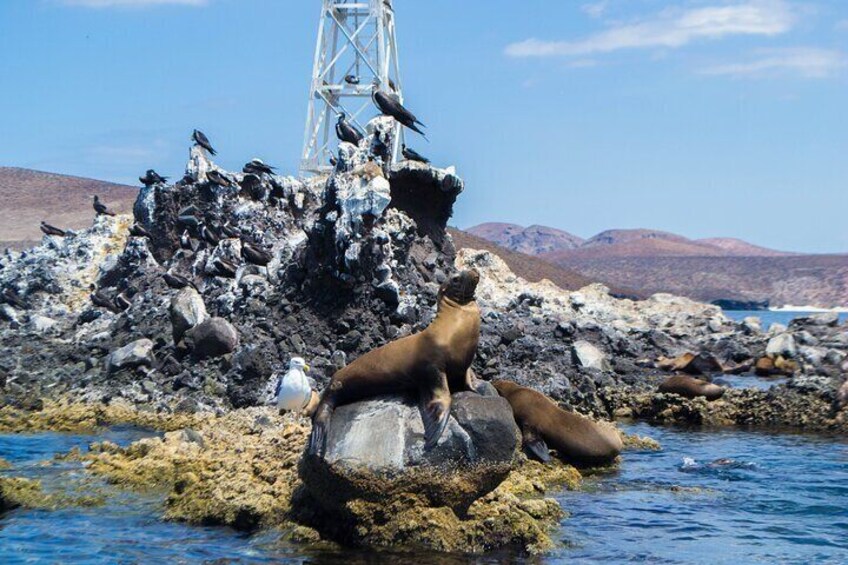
(240,470)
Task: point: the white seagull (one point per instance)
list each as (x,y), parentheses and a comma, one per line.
(293,390)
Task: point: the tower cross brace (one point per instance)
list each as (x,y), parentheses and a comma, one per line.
(356,39)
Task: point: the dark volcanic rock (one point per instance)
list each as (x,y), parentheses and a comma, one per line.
(212,338)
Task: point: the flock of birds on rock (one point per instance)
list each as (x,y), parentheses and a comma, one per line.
(209,230)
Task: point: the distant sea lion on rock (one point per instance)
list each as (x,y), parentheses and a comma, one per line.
(432,363)
(577,439)
(690,387)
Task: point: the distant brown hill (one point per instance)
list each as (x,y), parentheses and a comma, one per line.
(652,261)
(531,268)
(29,196)
(533,240)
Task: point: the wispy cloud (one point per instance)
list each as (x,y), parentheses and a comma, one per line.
(131,3)
(807,62)
(670,29)
(595,9)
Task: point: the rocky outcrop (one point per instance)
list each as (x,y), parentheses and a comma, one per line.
(375,451)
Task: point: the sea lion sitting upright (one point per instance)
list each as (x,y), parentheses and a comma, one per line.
(690,387)
(577,439)
(431,363)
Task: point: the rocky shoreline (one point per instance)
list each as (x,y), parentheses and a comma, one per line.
(264,267)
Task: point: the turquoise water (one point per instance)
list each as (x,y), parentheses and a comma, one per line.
(768,317)
(784,498)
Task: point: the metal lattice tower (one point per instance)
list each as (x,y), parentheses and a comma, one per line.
(355,38)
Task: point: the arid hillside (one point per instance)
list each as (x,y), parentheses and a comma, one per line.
(27,197)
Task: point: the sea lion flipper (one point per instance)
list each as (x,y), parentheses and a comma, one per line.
(535,445)
(435,411)
(320,425)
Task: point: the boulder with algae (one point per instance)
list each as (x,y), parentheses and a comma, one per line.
(241,470)
(375,450)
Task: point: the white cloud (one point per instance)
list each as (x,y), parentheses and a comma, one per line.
(595,9)
(807,62)
(131,3)
(671,28)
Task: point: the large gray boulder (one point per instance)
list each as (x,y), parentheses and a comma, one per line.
(136,354)
(212,338)
(375,449)
(187,311)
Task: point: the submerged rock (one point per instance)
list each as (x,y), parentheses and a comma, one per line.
(375,449)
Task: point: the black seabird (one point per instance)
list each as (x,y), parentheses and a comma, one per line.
(185,241)
(347,132)
(177,281)
(225,268)
(209,235)
(230,231)
(101,208)
(200,138)
(351,79)
(47,229)
(390,106)
(413,155)
(333,161)
(215,177)
(101,300)
(136,230)
(255,255)
(151,177)
(12,298)
(258,167)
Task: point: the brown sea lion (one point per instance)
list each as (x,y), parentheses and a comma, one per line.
(690,387)
(431,363)
(577,439)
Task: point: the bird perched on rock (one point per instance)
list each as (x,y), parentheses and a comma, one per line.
(209,235)
(218,178)
(225,268)
(101,208)
(12,298)
(255,255)
(176,281)
(352,79)
(347,132)
(230,231)
(334,162)
(293,391)
(413,155)
(389,105)
(258,167)
(137,230)
(185,241)
(47,229)
(102,300)
(200,138)
(151,177)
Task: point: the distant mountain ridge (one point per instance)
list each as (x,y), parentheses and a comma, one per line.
(650,261)
(28,196)
(532,240)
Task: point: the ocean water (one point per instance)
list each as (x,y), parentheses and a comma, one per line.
(781,498)
(769,317)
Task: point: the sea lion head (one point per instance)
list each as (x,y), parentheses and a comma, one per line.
(504,387)
(460,286)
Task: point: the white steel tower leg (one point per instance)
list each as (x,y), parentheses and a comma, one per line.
(356,38)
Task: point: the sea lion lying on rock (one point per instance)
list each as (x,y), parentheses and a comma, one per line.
(432,363)
(690,387)
(577,439)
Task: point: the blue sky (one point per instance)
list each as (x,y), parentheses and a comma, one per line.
(705,118)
